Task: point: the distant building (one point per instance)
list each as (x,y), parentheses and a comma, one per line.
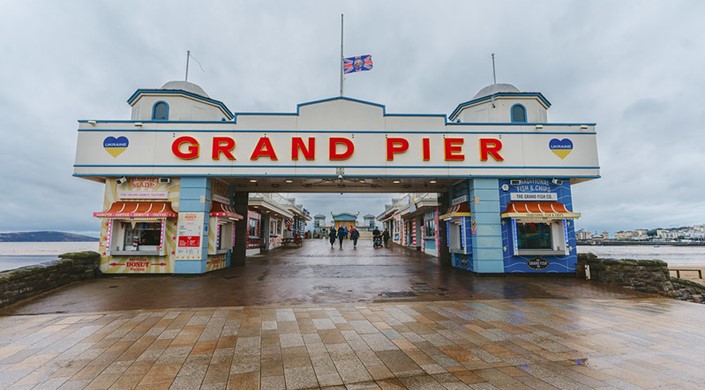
(583,235)
(413,221)
(345,219)
(319,223)
(369,223)
(272,218)
(624,235)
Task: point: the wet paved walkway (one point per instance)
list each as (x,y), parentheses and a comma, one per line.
(541,333)
(313,274)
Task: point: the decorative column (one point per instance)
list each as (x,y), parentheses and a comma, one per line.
(443,244)
(486,226)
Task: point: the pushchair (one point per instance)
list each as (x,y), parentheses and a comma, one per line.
(377,241)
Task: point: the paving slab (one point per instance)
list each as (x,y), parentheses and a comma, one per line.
(461,332)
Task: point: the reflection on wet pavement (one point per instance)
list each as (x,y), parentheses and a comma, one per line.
(312,274)
(358,322)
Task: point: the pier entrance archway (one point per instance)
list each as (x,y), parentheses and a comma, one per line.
(504,181)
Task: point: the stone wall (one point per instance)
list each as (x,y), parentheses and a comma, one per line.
(649,276)
(689,291)
(33,280)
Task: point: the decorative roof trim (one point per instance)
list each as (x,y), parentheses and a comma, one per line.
(469,103)
(135,96)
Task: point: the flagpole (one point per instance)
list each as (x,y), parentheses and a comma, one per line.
(188,54)
(341,54)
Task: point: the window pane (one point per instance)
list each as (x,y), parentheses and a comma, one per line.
(518,113)
(143,234)
(534,235)
(161,111)
(430,228)
(253,231)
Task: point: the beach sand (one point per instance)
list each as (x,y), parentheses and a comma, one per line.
(689,272)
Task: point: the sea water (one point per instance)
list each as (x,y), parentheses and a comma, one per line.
(19,254)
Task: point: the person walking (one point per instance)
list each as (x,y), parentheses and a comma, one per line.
(341,236)
(385,236)
(332,235)
(376,238)
(354,236)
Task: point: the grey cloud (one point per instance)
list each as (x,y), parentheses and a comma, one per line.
(633,67)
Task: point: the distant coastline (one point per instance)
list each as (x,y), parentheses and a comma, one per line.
(640,243)
(45,236)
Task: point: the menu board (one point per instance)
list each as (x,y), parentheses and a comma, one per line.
(188,237)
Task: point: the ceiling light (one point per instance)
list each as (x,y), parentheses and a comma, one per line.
(433,181)
(253,180)
(289,181)
(396,181)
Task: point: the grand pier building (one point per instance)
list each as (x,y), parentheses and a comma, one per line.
(180,172)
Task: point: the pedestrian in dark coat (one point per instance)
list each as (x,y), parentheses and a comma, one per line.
(341,236)
(385,237)
(332,235)
(354,236)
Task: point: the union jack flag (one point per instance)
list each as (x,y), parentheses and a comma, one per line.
(357,64)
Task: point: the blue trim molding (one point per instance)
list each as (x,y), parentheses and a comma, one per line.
(384,109)
(461,106)
(135,96)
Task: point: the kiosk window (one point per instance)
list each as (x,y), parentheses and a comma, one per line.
(133,237)
(534,235)
(142,234)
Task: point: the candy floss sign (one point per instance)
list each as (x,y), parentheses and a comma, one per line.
(190,231)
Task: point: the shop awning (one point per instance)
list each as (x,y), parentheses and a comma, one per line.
(459,210)
(538,210)
(223,210)
(138,210)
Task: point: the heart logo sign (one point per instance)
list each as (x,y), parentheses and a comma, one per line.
(115,146)
(561,147)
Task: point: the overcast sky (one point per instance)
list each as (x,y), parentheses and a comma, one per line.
(633,67)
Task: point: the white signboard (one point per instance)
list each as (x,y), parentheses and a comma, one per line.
(189,235)
(326,136)
(144,195)
(459,200)
(528,196)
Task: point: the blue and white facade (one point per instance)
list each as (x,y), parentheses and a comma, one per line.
(506,172)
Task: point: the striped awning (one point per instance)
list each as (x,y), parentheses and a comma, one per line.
(538,210)
(137,209)
(219,209)
(459,210)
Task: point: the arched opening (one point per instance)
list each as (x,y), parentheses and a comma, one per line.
(518,113)
(160,111)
